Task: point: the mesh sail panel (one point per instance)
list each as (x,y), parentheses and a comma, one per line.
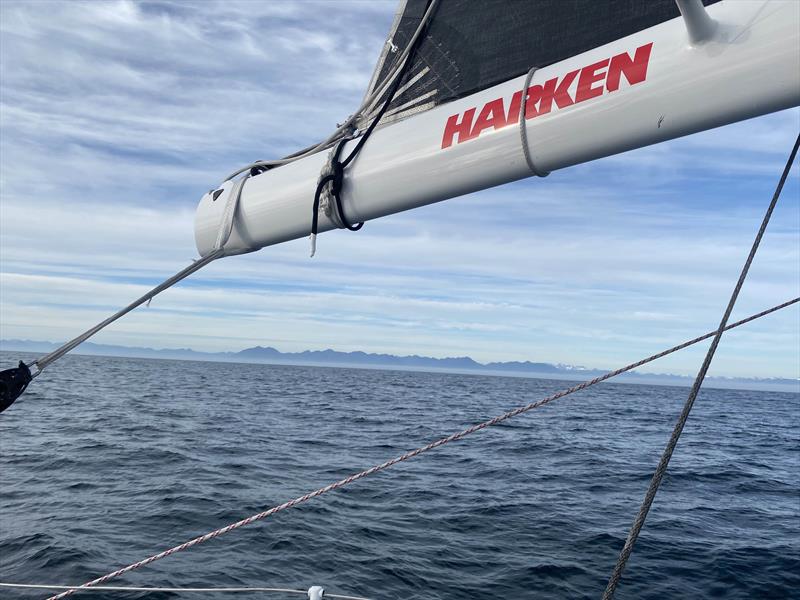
(474,44)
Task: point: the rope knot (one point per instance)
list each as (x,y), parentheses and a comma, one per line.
(327,198)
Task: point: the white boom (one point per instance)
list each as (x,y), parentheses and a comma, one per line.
(646,88)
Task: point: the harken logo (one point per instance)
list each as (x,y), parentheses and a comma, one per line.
(593,80)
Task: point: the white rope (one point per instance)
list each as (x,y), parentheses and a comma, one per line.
(111,588)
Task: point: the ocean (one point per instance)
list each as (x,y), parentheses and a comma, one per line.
(105,461)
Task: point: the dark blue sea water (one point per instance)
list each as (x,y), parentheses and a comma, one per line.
(108,460)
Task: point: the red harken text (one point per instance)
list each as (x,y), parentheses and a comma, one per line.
(593,80)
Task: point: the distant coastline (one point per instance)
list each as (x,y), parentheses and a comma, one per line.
(460,364)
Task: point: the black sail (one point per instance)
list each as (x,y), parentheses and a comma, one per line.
(470,45)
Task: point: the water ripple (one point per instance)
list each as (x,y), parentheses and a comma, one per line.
(99,474)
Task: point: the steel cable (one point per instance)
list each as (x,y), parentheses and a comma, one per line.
(663,463)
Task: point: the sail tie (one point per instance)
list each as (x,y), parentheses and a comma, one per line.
(663,463)
(523,132)
(333,171)
(409,455)
(327,197)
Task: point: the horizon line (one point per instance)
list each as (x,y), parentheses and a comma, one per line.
(562,370)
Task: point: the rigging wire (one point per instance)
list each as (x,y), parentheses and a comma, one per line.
(408,455)
(663,463)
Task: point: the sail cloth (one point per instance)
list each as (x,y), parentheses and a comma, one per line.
(471,45)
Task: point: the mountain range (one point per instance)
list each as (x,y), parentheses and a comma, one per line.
(357,359)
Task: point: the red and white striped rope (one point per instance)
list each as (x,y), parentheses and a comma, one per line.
(403,457)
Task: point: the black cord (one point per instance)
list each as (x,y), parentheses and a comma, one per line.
(336,179)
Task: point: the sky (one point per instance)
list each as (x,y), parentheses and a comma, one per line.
(116,116)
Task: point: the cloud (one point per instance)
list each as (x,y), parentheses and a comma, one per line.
(117,116)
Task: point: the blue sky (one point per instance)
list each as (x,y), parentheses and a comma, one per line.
(117,116)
